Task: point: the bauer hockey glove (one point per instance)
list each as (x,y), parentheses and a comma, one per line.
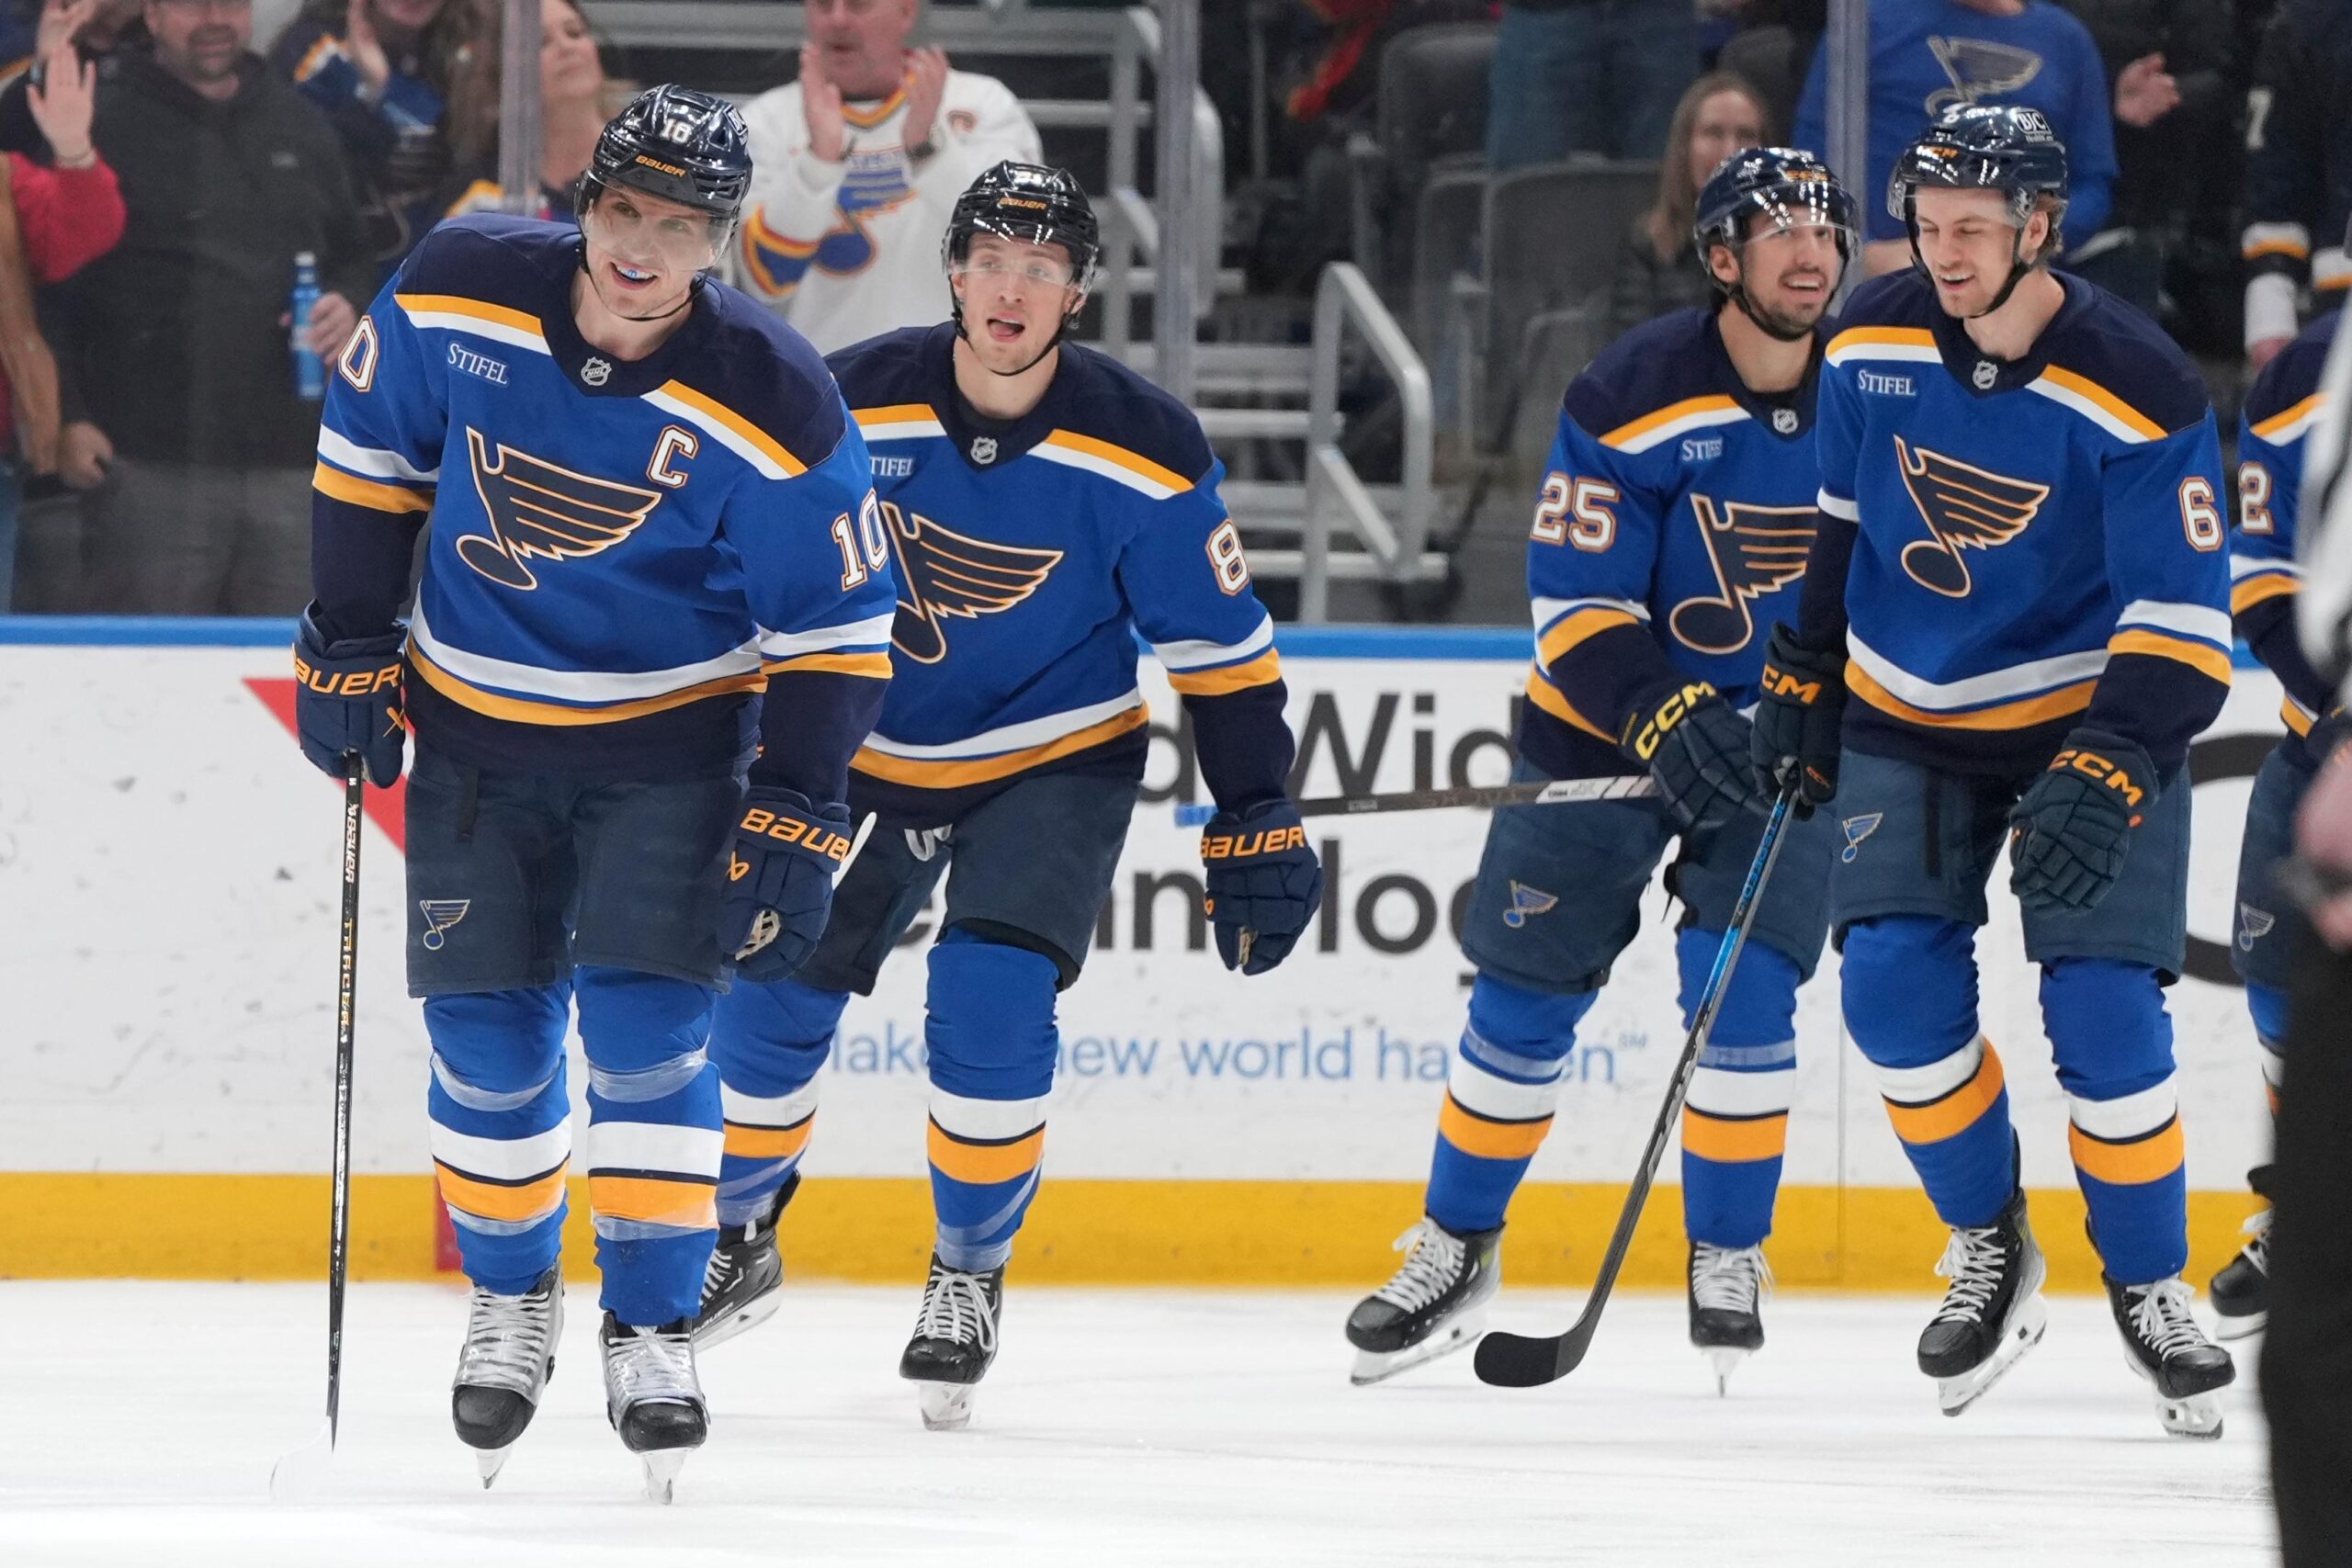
(1263,884)
(780,872)
(1696,747)
(2069,831)
(347,699)
(1800,706)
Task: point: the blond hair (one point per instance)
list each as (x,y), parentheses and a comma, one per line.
(1666,225)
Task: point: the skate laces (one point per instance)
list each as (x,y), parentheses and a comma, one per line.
(2256,1250)
(956,1308)
(506,1340)
(2161,1316)
(1729,1279)
(646,1366)
(1432,1263)
(1973,1263)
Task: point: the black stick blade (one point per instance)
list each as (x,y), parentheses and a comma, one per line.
(1519,1360)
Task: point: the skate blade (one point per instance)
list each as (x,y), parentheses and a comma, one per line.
(2242,1327)
(2197,1418)
(946,1406)
(1725,1360)
(1956,1394)
(490,1461)
(719,1330)
(1456,1333)
(302,1474)
(662,1467)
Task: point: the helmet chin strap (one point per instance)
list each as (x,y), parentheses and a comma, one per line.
(2019,268)
(1060,331)
(1738,293)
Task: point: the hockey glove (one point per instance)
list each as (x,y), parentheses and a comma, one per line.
(1800,706)
(780,873)
(347,699)
(2069,832)
(1263,882)
(1696,747)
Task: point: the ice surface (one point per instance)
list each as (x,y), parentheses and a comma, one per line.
(1119,1427)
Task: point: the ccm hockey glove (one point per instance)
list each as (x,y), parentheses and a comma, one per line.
(1696,747)
(780,881)
(1800,707)
(347,699)
(2069,831)
(1263,884)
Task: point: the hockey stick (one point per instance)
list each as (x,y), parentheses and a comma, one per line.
(299,1471)
(1534,792)
(1519,1360)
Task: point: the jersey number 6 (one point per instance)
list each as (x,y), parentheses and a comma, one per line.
(1586,501)
(2201,519)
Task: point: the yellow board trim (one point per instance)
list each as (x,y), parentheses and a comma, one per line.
(373,494)
(69,1225)
(2201,656)
(924,774)
(2262,586)
(984,1164)
(1714,402)
(2270,427)
(1488,1138)
(2023,714)
(521,712)
(2134,1164)
(1734,1140)
(1262,670)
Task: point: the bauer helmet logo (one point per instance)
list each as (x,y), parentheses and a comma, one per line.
(440,915)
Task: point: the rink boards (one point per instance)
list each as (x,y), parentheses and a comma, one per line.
(167,864)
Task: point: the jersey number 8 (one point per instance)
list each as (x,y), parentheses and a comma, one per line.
(1225,554)
(867,549)
(2201,519)
(1586,501)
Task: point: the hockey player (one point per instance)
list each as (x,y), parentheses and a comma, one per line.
(1673,526)
(1041,505)
(2281,409)
(646,496)
(2020,580)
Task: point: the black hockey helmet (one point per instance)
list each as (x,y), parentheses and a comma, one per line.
(675,142)
(1790,187)
(1999,147)
(1033,204)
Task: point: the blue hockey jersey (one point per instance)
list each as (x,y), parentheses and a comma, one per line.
(2009,549)
(623,554)
(1669,535)
(2281,409)
(1028,555)
(1927,55)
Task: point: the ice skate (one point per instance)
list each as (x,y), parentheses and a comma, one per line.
(954,1343)
(653,1397)
(1433,1304)
(741,1283)
(2241,1290)
(1726,1288)
(2163,1344)
(508,1357)
(1992,1312)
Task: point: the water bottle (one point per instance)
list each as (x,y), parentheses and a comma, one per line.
(310,374)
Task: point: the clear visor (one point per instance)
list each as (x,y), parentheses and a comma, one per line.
(619,224)
(1040,272)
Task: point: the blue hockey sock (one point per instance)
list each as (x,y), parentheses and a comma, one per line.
(2269,1005)
(502,1129)
(992,1042)
(2113,1041)
(1499,1095)
(1735,1122)
(770,1042)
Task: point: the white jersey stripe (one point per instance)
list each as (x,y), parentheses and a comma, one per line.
(2030,678)
(1009,737)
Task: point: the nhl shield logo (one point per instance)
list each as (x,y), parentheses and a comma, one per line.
(2253,925)
(1857,829)
(984,449)
(1785,421)
(440,914)
(1984,375)
(1527,902)
(596,372)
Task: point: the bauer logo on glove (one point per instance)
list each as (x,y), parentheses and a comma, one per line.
(810,837)
(1262,883)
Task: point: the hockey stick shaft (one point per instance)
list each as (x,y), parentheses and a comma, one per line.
(1534,792)
(354,786)
(1513,1360)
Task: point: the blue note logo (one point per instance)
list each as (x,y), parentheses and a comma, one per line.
(1857,829)
(1965,507)
(541,511)
(1526,903)
(1979,69)
(440,915)
(2253,925)
(1755,550)
(944,576)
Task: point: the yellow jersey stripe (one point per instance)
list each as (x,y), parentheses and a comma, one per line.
(2249,592)
(2022,713)
(2132,1164)
(374,494)
(2202,657)
(893,413)
(479,309)
(1579,625)
(2269,429)
(876,664)
(517,710)
(2116,408)
(1262,670)
(922,774)
(744,429)
(1134,462)
(1635,429)
(1548,697)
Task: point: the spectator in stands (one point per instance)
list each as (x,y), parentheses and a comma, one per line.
(2299,174)
(379,71)
(96,28)
(55,218)
(1656,271)
(2168,66)
(576,100)
(855,167)
(181,415)
(1926,54)
(1773,49)
(1587,76)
